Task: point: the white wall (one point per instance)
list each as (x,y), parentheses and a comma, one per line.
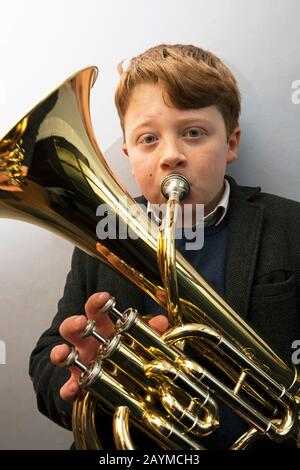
(41,43)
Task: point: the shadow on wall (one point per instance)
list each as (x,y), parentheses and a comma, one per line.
(120,166)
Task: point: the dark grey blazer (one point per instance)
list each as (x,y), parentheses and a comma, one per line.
(262,283)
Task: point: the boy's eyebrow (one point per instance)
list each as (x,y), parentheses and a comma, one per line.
(186,120)
(144,122)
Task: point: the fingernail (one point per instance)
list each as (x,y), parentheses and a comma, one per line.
(102,294)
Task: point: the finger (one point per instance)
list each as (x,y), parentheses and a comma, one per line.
(59,354)
(160,323)
(104,324)
(95,302)
(71,330)
(72,327)
(70,389)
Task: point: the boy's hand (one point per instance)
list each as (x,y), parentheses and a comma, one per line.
(71,330)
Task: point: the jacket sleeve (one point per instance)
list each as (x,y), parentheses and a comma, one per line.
(48,378)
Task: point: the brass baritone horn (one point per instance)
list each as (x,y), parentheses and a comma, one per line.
(53,174)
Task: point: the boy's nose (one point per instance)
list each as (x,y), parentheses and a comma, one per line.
(172,158)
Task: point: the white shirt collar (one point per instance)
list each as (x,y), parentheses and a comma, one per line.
(215,217)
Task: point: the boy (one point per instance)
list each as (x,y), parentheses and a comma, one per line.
(179,110)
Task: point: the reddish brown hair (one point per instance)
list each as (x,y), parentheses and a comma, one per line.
(190,76)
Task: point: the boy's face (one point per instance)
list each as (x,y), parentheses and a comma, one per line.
(160,140)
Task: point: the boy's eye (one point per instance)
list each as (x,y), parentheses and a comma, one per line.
(193,132)
(148,139)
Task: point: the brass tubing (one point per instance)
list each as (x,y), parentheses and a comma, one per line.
(121,432)
(128,361)
(204,332)
(111,392)
(166,256)
(241,406)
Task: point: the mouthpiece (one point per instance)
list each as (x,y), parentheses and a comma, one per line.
(175,187)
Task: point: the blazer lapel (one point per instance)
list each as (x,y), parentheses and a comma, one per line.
(245,227)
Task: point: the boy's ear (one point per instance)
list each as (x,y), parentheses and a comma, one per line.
(124,149)
(233,145)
